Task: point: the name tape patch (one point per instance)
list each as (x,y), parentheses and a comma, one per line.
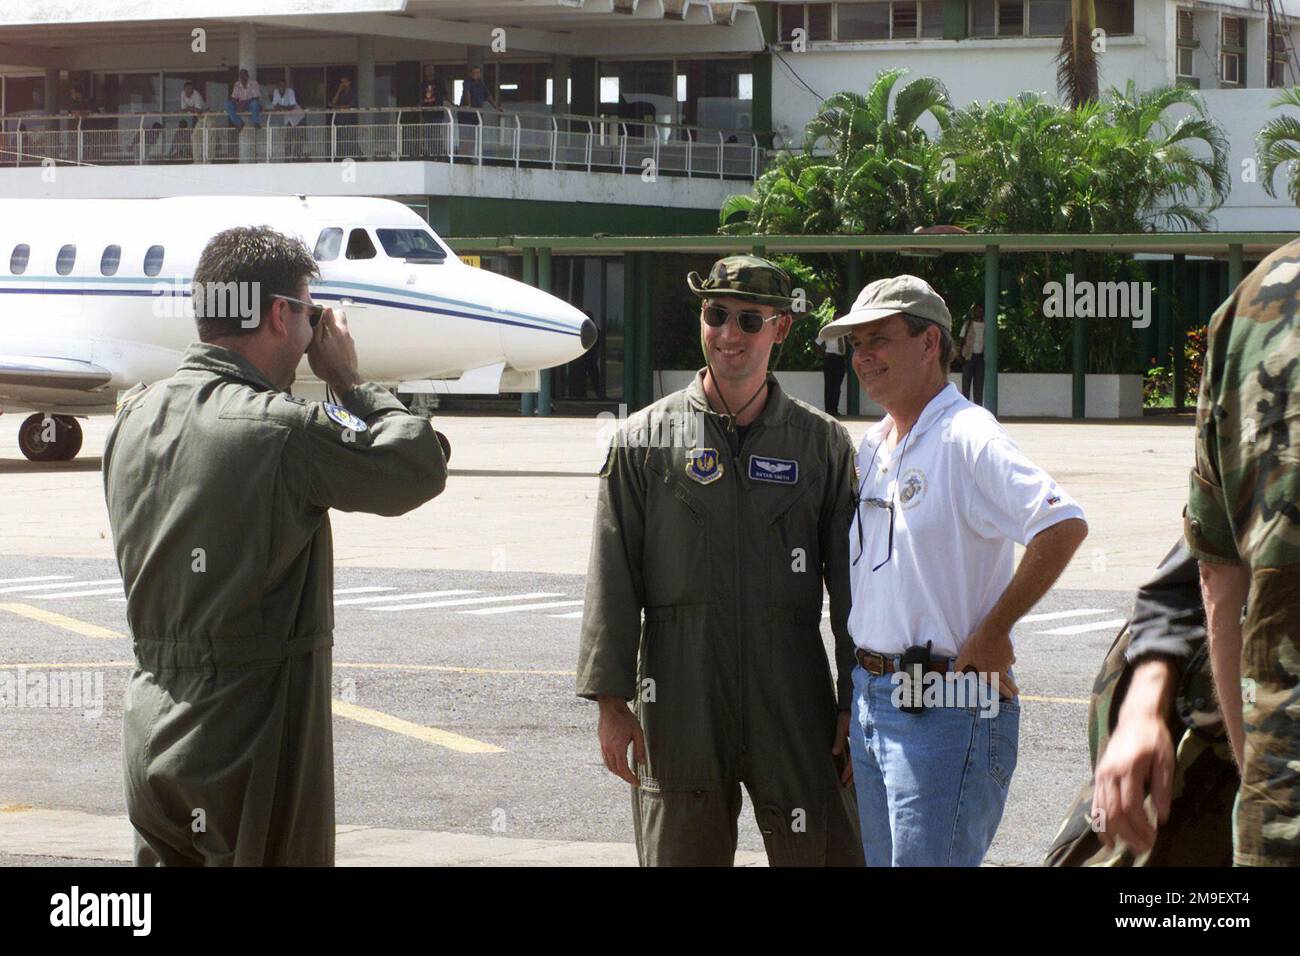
(779,471)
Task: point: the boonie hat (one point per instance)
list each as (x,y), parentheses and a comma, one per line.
(744,277)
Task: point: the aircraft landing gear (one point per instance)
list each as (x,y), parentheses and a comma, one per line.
(50,438)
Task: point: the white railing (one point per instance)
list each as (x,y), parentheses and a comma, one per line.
(445,134)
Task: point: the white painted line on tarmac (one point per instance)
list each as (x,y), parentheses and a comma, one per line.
(362,590)
(1092,626)
(64,584)
(43,577)
(462,601)
(77,594)
(522,607)
(399,597)
(571,616)
(1058,615)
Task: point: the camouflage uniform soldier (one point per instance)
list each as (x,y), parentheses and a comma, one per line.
(1243,523)
(722,510)
(1190,774)
(219,485)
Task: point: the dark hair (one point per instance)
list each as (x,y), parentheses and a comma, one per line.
(947,351)
(235,262)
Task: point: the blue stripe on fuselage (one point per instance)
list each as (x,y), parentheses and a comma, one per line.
(389,303)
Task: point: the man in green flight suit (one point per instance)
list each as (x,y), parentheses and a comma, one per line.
(219,485)
(1243,524)
(723,508)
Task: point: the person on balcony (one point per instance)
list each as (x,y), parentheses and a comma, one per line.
(474,94)
(193,104)
(285,102)
(245,97)
(345,98)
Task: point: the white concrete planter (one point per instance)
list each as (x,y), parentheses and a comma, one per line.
(1024,395)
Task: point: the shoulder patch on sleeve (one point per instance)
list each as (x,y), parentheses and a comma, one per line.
(344,418)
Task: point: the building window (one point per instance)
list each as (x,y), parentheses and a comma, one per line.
(328,244)
(1232,52)
(110,260)
(1187,44)
(67,258)
(1115,17)
(1047,17)
(153,260)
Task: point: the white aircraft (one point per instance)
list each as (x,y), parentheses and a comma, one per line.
(96,297)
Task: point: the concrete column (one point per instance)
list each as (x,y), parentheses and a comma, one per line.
(248,137)
(366,93)
(561,70)
(52,94)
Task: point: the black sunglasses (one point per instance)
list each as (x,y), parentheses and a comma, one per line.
(877,503)
(748,320)
(314,311)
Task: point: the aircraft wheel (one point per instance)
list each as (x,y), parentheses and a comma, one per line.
(34,433)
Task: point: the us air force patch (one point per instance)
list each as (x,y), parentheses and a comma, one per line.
(342,416)
(704,466)
(779,471)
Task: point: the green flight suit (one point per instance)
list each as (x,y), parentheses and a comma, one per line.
(726,553)
(218,487)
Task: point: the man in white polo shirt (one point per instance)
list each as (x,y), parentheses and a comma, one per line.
(943,495)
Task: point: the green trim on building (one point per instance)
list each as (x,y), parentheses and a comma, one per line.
(954,19)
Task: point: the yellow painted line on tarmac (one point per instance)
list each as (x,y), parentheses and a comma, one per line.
(449,670)
(84,628)
(1054,700)
(56,665)
(443,738)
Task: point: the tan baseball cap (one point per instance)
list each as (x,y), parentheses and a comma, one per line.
(886,297)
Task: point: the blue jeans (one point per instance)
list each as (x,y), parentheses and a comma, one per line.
(931,786)
(254,110)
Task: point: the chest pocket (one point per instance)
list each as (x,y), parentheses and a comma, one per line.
(793,527)
(676,546)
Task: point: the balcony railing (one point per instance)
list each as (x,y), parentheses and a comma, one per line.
(450,135)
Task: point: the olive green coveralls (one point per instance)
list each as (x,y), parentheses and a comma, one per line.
(218,487)
(728,672)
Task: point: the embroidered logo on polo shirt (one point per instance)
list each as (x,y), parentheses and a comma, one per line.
(779,471)
(911,488)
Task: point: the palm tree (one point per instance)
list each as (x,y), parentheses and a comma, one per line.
(1279,142)
(1076,61)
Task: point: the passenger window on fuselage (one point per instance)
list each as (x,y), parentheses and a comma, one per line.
(18,258)
(328,244)
(66,260)
(153,260)
(110,260)
(360,246)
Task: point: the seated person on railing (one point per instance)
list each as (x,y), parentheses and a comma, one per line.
(345,98)
(285,101)
(193,104)
(245,97)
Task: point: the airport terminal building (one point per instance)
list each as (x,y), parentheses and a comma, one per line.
(558,117)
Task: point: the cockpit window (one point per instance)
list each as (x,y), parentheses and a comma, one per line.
(328,244)
(360,246)
(415,245)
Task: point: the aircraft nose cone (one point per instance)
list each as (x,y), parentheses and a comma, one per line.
(588,334)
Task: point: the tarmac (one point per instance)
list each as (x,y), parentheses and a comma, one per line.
(512,527)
